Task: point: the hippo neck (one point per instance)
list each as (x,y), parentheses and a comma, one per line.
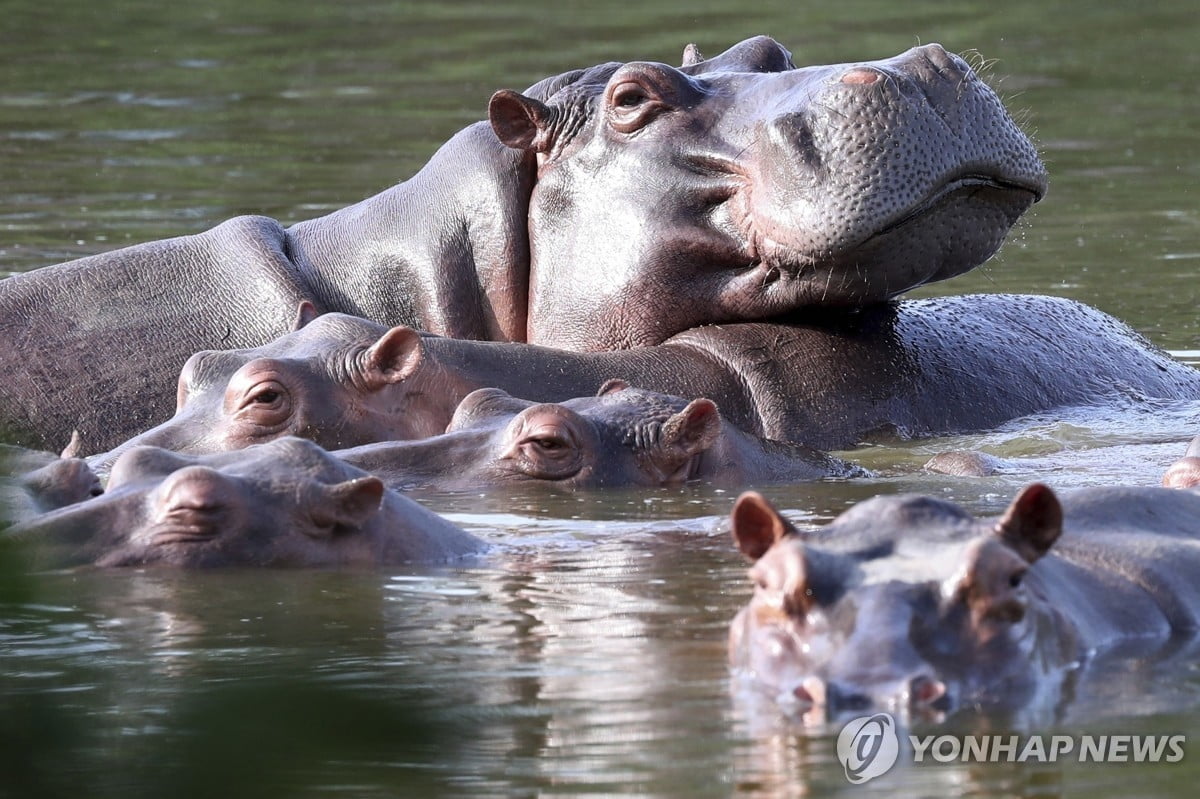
(446,251)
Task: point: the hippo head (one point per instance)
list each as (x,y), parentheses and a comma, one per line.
(337,380)
(284,503)
(902,603)
(742,187)
(33,482)
(623,436)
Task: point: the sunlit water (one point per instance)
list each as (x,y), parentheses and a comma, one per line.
(586,654)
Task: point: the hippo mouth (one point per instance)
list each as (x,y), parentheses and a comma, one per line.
(1019,193)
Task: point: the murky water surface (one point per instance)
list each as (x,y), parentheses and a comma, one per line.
(587,655)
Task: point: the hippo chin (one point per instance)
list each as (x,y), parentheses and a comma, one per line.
(623,436)
(910,604)
(284,503)
(606,207)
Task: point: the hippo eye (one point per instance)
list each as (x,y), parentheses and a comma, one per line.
(268,395)
(629,95)
(548,452)
(264,402)
(632,104)
(1014,580)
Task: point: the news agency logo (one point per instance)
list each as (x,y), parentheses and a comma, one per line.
(868,747)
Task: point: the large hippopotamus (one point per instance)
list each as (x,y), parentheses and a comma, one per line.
(606,207)
(911,604)
(284,503)
(621,437)
(915,367)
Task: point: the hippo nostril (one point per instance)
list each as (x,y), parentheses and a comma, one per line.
(194,491)
(811,692)
(925,691)
(861,76)
(946,63)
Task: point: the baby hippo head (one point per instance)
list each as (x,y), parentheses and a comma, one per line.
(906,604)
(284,503)
(337,380)
(622,436)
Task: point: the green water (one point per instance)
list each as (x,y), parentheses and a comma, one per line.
(587,655)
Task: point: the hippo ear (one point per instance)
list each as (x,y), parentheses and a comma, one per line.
(1193,450)
(612,386)
(521,122)
(756,525)
(692,430)
(691,55)
(393,358)
(74,446)
(347,505)
(305,313)
(1032,523)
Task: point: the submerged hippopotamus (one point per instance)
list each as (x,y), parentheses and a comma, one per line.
(606,207)
(284,503)
(623,436)
(911,604)
(916,367)
(337,380)
(34,482)
(1185,472)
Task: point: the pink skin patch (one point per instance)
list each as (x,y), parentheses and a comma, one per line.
(862,77)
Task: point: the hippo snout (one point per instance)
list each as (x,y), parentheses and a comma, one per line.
(193,504)
(918,694)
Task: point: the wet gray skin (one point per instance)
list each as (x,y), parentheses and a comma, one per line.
(910,604)
(1185,472)
(606,207)
(621,437)
(284,503)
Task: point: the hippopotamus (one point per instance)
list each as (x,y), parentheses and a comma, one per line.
(1185,472)
(606,207)
(336,380)
(34,482)
(911,604)
(623,436)
(913,367)
(283,503)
